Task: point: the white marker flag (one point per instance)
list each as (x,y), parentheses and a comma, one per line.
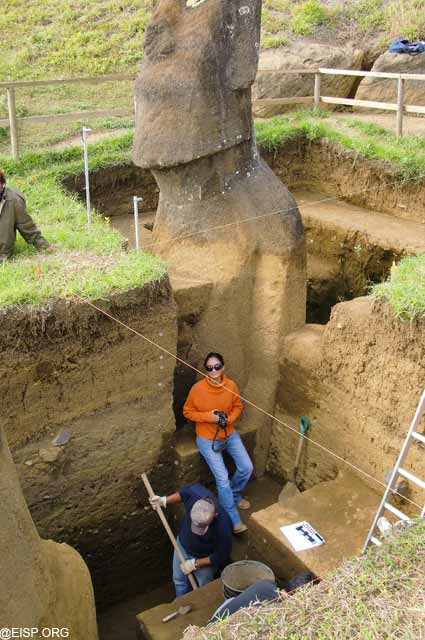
(302,536)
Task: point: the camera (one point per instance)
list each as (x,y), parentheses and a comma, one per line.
(222,418)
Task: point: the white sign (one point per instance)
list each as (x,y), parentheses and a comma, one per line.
(302,536)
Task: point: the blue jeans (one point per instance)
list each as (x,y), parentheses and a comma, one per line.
(229,491)
(203,575)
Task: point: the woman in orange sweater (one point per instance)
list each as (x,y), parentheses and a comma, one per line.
(214,405)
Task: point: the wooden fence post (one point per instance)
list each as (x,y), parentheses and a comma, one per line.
(13,126)
(317,83)
(400,106)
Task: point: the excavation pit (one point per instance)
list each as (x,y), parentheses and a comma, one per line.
(341,510)
(93,499)
(353,234)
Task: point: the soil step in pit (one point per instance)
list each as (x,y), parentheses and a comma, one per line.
(203,603)
(125,225)
(348,248)
(341,510)
(191,467)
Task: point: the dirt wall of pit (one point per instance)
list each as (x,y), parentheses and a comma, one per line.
(341,173)
(299,163)
(359,378)
(68,367)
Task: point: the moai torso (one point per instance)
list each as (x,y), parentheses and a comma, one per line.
(44,584)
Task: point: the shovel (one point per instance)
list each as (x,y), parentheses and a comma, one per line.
(290,489)
(181,611)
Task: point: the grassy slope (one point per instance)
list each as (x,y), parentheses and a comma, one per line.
(376,597)
(62,38)
(90,265)
(93,265)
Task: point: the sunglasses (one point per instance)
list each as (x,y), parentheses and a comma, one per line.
(213,367)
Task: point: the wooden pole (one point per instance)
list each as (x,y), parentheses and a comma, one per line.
(86,130)
(317,83)
(400,106)
(168,529)
(136,201)
(13,126)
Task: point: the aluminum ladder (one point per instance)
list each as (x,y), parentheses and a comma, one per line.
(399,471)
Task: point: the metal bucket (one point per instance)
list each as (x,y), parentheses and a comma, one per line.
(238,576)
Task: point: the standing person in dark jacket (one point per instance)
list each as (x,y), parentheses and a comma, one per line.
(13,215)
(205,536)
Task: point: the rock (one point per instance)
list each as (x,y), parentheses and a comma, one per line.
(49,454)
(62,438)
(385,89)
(301,55)
(48,584)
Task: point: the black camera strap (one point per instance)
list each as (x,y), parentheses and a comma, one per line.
(215,441)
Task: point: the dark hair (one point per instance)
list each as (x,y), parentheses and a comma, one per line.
(213,354)
(2,177)
(300,580)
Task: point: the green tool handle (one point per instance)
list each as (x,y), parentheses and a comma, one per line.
(305,425)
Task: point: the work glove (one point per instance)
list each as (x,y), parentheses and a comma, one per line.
(158,501)
(188,566)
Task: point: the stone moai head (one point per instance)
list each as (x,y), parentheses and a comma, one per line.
(193,95)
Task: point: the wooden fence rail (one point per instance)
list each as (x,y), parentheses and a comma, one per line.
(12,121)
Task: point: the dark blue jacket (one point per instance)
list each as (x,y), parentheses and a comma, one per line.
(217,542)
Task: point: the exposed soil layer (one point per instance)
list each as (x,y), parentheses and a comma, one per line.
(349,248)
(112,189)
(68,367)
(359,379)
(321,166)
(336,171)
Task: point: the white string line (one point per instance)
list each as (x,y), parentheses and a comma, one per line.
(282,211)
(266,413)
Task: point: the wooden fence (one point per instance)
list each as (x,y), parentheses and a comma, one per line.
(13,121)
(316,100)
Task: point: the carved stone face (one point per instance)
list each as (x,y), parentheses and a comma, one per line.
(193,91)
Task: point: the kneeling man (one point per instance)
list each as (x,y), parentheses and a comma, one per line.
(205,536)
(13,215)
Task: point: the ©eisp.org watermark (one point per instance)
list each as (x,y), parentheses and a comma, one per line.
(7,633)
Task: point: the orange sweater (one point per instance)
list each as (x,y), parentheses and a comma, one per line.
(205,397)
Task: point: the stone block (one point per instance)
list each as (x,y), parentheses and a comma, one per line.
(203,603)
(341,510)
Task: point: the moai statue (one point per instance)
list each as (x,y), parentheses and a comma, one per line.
(224,219)
(43,584)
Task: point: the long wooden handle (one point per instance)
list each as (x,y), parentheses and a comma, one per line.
(298,457)
(167,528)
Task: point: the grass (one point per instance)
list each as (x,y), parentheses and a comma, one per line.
(392,18)
(53,39)
(406,155)
(405,288)
(376,597)
(90,265)
(309,15)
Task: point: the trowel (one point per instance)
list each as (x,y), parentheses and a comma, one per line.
(290,489)
(181,611)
